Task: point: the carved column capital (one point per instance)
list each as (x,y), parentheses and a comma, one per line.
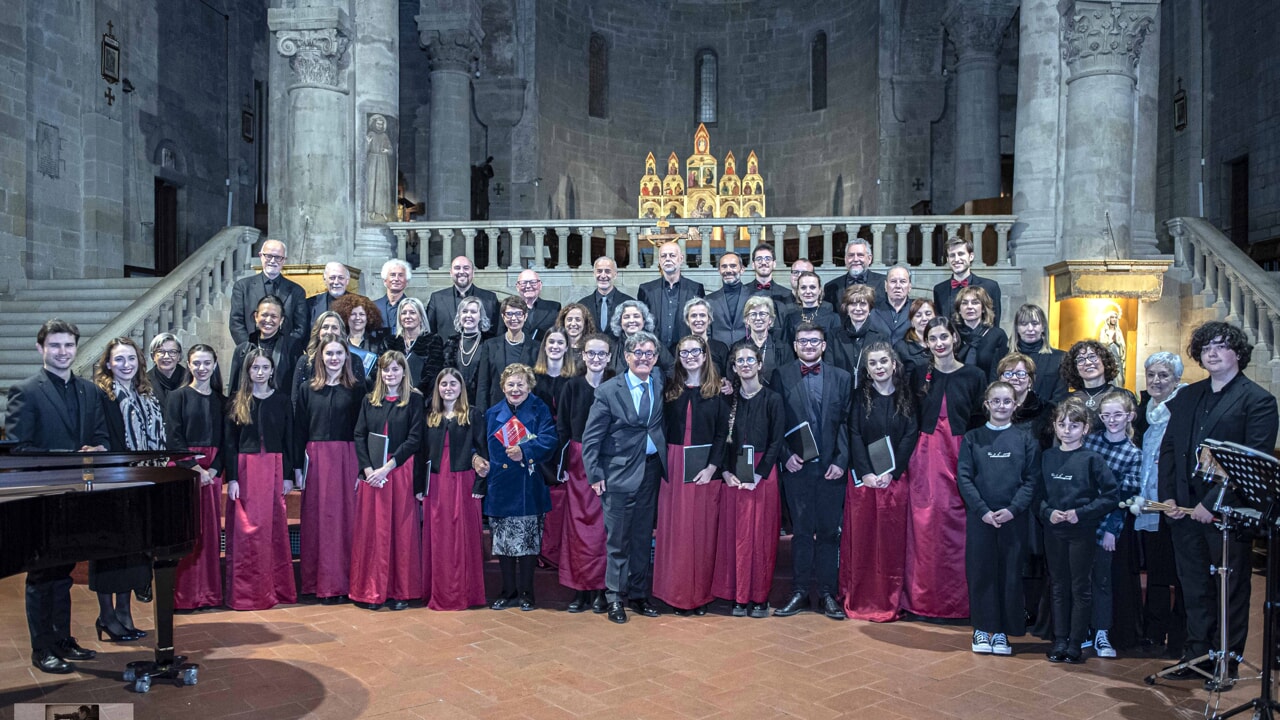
(315,40)
(1102,37)
(976,28)
(454,49)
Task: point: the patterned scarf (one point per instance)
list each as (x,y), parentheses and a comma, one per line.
(143,420)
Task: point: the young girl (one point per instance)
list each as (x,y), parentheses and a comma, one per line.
(998,471)
(385,546)
(1077,491)
(452,547)
(194,415)
(1116,411)
(259,467)
(555,365)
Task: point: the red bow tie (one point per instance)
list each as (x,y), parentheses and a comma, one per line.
(959,283)
(814,369)
(763,286)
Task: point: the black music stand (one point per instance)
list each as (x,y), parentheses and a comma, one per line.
(1254,477)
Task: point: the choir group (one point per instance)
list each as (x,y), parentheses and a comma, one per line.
(921,466)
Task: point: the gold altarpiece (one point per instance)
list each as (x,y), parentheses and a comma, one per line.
(701,192)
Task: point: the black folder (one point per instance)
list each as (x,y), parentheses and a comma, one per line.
(801,441)
(696,458)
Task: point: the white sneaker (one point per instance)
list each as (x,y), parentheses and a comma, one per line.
(1000,644)
(981,642)
(1102,645)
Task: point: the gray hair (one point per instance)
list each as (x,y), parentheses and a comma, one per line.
(484,317)
(161,339)
(639,339)
(695,302)
(1164,357)
(416,304)
(386,269)
(615,322)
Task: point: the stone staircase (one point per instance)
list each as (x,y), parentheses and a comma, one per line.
(90,304)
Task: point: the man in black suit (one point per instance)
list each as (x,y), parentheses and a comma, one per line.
(857,258)
(55,410)
(666,296)
(542,313)
(960,258)
(336,278)
(249,290)
(763,262)
(1230,407)
(727,323)
(623,453)
(816,392)
(442,306)
(606,297)
(892,318)
(395,276)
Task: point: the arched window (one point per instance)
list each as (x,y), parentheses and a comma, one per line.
(818,72)
(598,77)
(706,72)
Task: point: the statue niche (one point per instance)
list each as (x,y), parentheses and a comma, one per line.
(379,177)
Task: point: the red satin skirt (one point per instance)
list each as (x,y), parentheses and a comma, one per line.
(386,544)
(328,512)
(747,542)
(685,556)
(199,577)
(934,581)
(259,561)
(452,541)
(553,525)
(873,551)
(582,539)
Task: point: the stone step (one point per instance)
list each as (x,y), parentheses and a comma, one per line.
(27,330)
(82,292)
(35,318)
(140,284)
(64,307)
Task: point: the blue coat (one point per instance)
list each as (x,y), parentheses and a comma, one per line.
(515,488)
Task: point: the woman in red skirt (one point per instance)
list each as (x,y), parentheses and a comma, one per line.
(750,507)
(582,543)
(695,414)
(873,544)
(445,481)
(194,416)
(259,474)
(386,566)
(325,425)
(934,580)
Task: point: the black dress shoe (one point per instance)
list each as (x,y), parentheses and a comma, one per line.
(46,661)
(700,610)
(1057,653)
(67,649)
(797,603)
(645,608)
(503,603)
(145,594)
(367,606)
(739,610)
(617,613)
(579,603)
(398,604)
(599,605)
(831,608)
(759,610)
(527,603)
(1073,655)
(682,612)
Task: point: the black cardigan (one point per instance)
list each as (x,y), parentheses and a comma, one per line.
(709,422)
(964,389)
(270,429)
(465,442)
(195,420)
(760,422)
(403,425)
(882,420)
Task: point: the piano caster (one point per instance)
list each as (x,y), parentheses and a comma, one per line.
(179,672)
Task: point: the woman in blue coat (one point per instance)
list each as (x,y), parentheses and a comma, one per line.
(515,499)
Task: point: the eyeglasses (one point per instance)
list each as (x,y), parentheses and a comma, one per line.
(643,354)
(691,353)
(1001,402)
(174,353)
(808,342)
(528,283)
(748,360)
(1012,374)
(762,259)
(513,315)
(1089,359)
(760,315)
(1114,417)
(271,258)
(596,354)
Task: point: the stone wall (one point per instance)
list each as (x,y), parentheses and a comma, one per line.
(814,163)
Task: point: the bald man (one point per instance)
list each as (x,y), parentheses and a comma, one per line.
(607,296)
(336,278)
(667,295)
(442,306)
(542,312)
(249,290)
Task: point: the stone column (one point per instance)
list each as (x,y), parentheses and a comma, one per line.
(1144,146)
(1101,45)
(976,29)
(318,200)
(451,33)
(1035,145)
(376,71)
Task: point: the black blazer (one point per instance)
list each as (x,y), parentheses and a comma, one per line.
(284,354)
(1245,414)
(613,443)
(834,289)
(37,420)
(651,293)
(244,301)
(542,317)
(944,297)
(442,308)
(727,324)
(592,303)
(833,431)
(403,423)
(465,442)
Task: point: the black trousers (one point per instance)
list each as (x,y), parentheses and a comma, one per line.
(49,606)
(817,508)
(1196,546)
(1071,553)
(629,518)
(1164,611)
(994,559)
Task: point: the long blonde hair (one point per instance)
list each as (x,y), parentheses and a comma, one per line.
(461,407)
(380,385)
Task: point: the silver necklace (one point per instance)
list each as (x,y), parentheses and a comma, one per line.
(466,356)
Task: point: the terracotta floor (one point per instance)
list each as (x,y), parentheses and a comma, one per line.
(312,661)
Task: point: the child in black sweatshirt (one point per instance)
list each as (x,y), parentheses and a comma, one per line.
(1078,490)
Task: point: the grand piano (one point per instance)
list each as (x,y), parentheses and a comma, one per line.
(58,508)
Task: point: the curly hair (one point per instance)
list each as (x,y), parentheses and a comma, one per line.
(1070,373)
(105,379)
(615,322)
(344,304)
(1227,333)
(588,324)
(903,403)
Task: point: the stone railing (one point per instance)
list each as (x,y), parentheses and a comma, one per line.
(1229,281)
(916,239)
(173,303)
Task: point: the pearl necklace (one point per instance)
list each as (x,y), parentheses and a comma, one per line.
(465,356)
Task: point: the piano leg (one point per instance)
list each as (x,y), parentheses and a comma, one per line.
(167,665)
